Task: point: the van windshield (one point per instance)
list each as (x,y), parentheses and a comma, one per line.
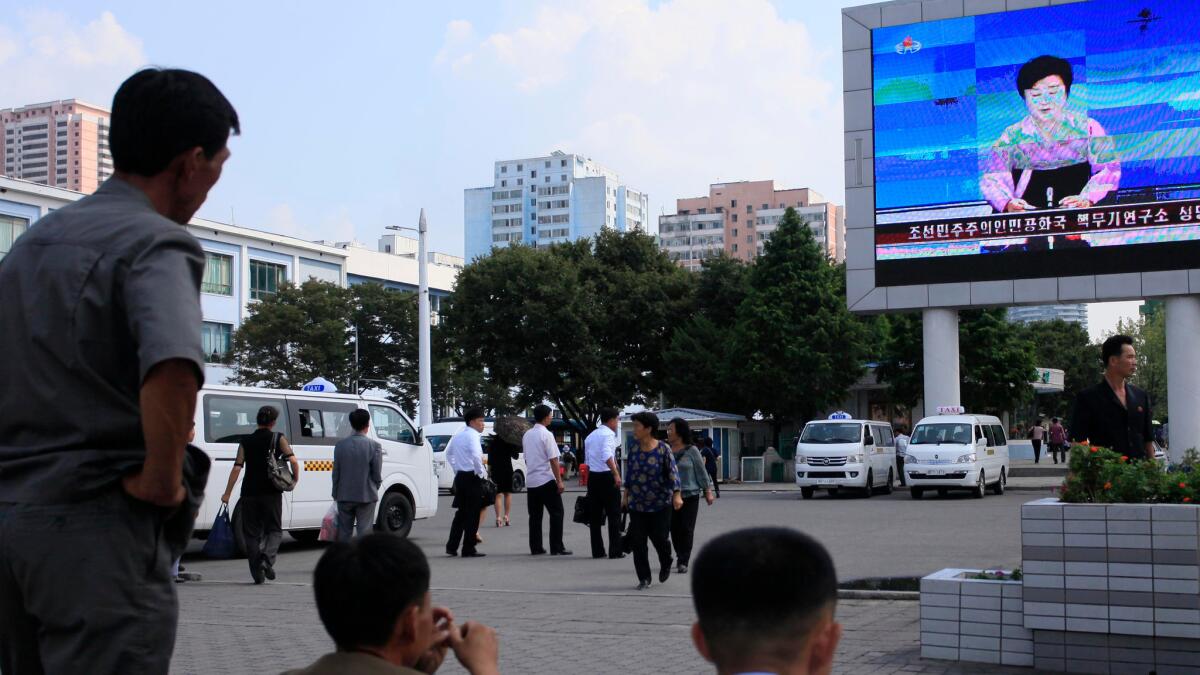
(439,443)
(832,433)
(936,434)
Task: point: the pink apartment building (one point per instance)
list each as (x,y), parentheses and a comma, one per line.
(60,143)
(737,218)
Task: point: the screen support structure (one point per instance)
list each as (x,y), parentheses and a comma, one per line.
(1183,378)
(939,346)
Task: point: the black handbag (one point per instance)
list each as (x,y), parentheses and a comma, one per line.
(489,491)
(581,511)
(279,470)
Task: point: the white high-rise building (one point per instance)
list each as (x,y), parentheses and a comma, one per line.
(1069,313)
(545,200)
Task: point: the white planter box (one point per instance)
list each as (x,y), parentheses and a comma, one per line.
(973,620)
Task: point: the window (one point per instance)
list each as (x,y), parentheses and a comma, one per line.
(735,217)
(735,248)
(547,179)
(390,425)
(766,206)
(733,204)
(533,174)
(266,278)
(998,434)
(217,341)
(229,418)
(218,274)
(520,167)
(520,181)
(735,232)
(503,183)
(562,162)
(749,208)
(989,434)
(547,164)
(750,239)
(320,422)
(504,169)
(11,227)
(877,436)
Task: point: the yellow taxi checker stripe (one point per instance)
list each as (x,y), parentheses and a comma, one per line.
(318,465)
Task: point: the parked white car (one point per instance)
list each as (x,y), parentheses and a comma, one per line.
(841,453)
(439,435)
(957,452)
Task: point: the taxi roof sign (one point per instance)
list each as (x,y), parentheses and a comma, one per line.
(840,415)
(320,384)
(951,410)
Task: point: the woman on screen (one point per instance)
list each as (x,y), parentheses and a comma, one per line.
(1054,157)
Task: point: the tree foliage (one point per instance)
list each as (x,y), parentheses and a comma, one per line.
(1149,333)
(1063,345)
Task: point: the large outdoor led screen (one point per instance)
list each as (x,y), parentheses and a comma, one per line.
(1047,142)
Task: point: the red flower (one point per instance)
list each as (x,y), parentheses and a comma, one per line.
(1124,458)
(1187,500)
(1108,486)
(1095,449)
(1183,485)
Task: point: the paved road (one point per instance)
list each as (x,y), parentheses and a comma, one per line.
(580,615)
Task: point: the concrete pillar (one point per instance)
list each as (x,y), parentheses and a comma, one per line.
(1183,373)
(940,349)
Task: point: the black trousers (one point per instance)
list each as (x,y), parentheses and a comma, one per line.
(716,486)
(545,497)
(1037,450)
(1058,450)
(656,527)
(900,469)
(683,528)
(468,499)
(604,501)
(262,528)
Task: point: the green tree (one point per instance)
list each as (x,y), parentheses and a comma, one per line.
(799,347)
(1149,333)
(1063,345)
(997,361)
(901,359)
(386,324)
(700,363)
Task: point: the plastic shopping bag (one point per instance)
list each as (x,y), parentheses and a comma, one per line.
(220,538)
(329,524)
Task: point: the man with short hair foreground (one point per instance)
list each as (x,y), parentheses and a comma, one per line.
(100,335)
(765,599)
(1115,414)
(373,597)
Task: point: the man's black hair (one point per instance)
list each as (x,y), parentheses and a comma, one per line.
(761,591)
(607,414)
(1042,67)
(159,113)
(364,585)
(1113,347)
(682,430)
(646,419)
(473,413)
(541,412)
(359,419)
(266,415)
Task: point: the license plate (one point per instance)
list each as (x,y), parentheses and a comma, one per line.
(827,484)
(936,472)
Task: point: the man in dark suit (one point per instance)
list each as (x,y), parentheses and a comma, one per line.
(1115,414)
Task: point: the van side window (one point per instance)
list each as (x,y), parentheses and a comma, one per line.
(877,436)
(989,434)
(998,433)
(320,422)
(978,432)
(888,439)
(390,425)
(229,418)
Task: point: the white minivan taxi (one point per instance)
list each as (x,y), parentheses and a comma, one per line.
(313,423)
(840,452)
(439,435)
(957,451)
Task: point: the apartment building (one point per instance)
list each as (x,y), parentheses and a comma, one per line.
(60,143)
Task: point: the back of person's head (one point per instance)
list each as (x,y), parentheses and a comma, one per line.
(765,599)
(1054,420)
(267,416)
(159,113)
(1113,346)
(473,413)
(541,412)
(360,419)
(364,586)
(682,430)
(608,414)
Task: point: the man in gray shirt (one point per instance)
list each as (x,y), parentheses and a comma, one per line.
(357,475)
(100,336)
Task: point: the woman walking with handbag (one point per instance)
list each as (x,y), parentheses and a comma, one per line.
(651,493)
(261,501)
(693,481)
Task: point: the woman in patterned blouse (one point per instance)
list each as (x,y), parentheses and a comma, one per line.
(651,492)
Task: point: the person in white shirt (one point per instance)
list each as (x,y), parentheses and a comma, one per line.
(604,485)
(901,452)
(464,454)
(544,483)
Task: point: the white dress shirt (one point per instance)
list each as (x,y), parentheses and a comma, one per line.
(464,452)
(901,445)
(599,447)
(539,447)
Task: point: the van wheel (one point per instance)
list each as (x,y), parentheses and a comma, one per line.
(239,539)
(942,492)
(518,481)
(887,489)
(916,493)
(395,514)
(870,484)
(833,492)
(305,536)
(980,487)
(998,488)
(806,492)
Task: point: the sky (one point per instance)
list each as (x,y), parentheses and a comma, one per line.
(355,120)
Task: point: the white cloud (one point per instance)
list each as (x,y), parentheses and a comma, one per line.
(48,56)
(459,35)
(678,95)
(281,219)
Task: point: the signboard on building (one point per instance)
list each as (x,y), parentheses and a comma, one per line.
(1058,142)
(1049,381)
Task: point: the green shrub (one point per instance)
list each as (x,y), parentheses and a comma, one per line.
(1099,475)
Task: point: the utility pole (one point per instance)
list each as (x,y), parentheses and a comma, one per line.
(424,361)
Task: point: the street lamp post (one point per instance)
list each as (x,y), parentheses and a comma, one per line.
(424,363)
